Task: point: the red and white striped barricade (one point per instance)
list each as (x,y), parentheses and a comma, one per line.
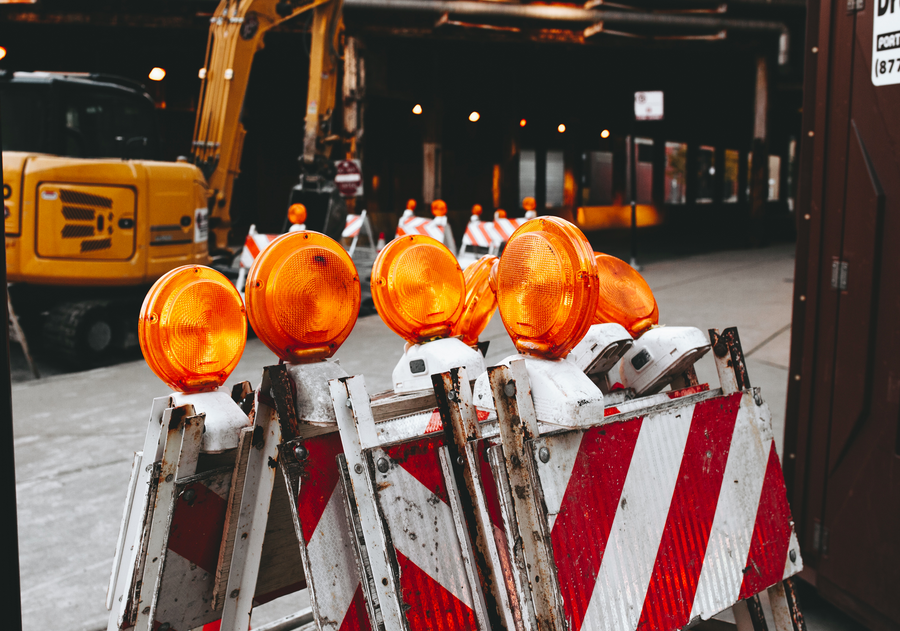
(356,225)
(436,228)
(255,243)
(406,504)
(671,508)
(502,229)
(174,560)
(477,241)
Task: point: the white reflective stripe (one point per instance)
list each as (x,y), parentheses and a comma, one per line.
(423,530)
(246,259)
(556,473)
(621,587)
(732,529)
(347,177)
(434,230)
(330,555)
(353,226)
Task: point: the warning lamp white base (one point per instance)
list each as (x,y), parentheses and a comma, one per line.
(601,349)
(313,403)
(563,395)
(659,356)
(420,361)
(224,418)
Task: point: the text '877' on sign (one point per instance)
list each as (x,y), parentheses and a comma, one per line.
(886,42)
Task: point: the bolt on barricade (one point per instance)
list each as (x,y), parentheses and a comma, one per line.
(547,497)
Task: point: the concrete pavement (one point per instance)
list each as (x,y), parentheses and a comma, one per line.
(75,433)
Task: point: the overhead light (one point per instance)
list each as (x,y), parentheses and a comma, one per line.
(417,109)
(523,122)
(474,116)
(2,52)
(157,74)
(604,133)
(202,73)
(561,128)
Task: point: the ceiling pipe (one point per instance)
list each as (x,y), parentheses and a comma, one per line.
(558,13)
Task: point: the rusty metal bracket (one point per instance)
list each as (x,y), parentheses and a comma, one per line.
(518,425)
(729,358)
(460,420)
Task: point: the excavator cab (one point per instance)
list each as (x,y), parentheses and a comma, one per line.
(92,217)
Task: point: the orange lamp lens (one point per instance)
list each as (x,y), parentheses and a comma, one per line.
(492,279)
(499,214)
(297,213)
(625,297)
(411,204)
(547,287)
(192,328)
(529,203)
(418,288)
(303,296)
(438,208)
(477,209)
(481,302)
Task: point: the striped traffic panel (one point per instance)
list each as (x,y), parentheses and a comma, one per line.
(353,226)
(336,593)
(661,518)
(412,225)
(502,229)
(478,234)
(253,245)
(435,572)
(195,536)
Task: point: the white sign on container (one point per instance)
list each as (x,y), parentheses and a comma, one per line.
(648,106)
(886,42)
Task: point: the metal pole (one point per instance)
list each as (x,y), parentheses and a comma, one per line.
(632,185)
(11,601)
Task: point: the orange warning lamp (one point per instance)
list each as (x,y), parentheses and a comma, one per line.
(625,297)
(481,302)
(418,288)
(303,296)
(411,204)
(439,208)
(529,203)
(477,210)
(547,287)
(192,328)
(297,214)
(499,214)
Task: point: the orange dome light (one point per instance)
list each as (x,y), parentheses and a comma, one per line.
(297,214)
(303,296)
(499,214)
(529,203)
(411,204)
(439,208)
(625,297)
(477,210)
(418,288)
(547,287)
(192,328)
(481,302)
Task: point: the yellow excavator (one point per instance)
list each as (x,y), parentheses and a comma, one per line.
(92,216)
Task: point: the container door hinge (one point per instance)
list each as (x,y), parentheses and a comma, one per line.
(839,271)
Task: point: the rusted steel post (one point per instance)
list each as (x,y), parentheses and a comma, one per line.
(460,420)
(729,358)
(518,425)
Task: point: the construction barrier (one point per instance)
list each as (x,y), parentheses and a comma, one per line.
(528,496)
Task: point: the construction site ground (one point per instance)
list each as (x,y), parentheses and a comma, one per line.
(75,432)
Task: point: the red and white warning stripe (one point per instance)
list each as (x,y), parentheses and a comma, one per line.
(195,536)
(353,226)
(478,233)
(253,245)
(674,515)
(332,575)
(416,508)
(503,228)
(412,225)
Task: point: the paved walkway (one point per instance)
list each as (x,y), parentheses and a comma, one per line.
(75,433)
